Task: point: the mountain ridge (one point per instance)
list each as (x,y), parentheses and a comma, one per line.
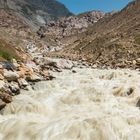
(36,12)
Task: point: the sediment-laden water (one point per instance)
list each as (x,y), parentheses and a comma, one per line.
(87,105)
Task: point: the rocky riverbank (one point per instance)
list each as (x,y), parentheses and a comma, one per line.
(15,76)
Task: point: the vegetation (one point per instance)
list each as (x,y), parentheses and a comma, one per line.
(7,52)
(5,55)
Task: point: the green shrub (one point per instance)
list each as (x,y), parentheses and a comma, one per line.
(6,55)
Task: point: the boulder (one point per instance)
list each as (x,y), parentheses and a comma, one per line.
(11,75)
(22,82)
(5,97)
(65,64)
(14,87)
(33,78)
(59,63)
(8,65)
(2,104)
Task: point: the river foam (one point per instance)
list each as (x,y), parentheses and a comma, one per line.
(87,105)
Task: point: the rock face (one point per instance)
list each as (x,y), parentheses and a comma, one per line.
(72,25)
(36,12)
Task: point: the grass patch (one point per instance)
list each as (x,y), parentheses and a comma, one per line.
(6,55)
(7,52)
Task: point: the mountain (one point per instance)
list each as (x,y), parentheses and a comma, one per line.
(36,12)
(68,27)
(112,41)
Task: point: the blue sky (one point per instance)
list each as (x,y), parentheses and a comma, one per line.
(78,6)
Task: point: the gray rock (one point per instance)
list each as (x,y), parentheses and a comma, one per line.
(64,64)
(34,78)
(11,75)
(8,65)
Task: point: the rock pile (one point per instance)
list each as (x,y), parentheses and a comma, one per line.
(15,76)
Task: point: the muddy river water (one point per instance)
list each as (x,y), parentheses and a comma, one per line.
(90,104)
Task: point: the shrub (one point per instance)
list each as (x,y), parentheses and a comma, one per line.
(6,55)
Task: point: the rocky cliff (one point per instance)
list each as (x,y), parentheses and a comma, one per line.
(36,12)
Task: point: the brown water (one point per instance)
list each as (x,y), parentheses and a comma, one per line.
(87,105)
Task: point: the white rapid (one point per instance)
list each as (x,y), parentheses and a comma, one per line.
(87,105)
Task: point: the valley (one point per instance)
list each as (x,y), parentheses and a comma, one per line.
(66,76)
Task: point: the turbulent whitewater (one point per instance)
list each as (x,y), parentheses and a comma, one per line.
(87,105)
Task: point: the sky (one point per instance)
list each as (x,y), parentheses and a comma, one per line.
(79,6)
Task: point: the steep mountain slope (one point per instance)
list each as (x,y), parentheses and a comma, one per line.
(13,32)
(36,12)
(112,41)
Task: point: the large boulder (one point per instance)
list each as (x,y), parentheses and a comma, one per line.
(11,75)
(60,63)
(64,64)
(33,78)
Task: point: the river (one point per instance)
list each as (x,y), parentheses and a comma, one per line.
(90,104)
